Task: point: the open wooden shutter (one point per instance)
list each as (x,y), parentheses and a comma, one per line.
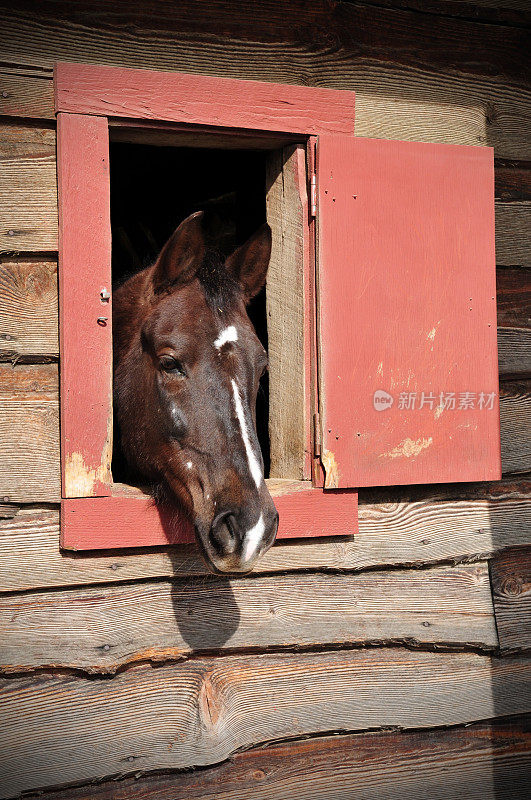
(407,313)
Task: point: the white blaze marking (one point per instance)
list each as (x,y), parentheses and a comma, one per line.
(229,334)
(189,464)
(252,538)
(254,464)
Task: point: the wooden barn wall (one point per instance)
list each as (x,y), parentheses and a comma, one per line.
(393,664)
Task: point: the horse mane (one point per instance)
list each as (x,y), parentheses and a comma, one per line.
(221,289)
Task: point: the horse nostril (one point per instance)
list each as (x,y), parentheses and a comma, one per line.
(223,534)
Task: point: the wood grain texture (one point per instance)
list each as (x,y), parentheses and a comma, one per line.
(29,425)
(512,180)
(101,629)
(388,35)
(287,286)
(511,590)
(513,295)
(97,523)
(515,402)
(406,306)
(26,95)
(201,100)
(28,197)
(404,91)
(28,309)
(200,711)
(514,352)
(491,759)
(513,234)
(85,322)
(391,533)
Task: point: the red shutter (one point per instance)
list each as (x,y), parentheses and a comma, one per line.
(407,310)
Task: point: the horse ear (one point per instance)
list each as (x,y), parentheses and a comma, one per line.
(248,264)
(182,254)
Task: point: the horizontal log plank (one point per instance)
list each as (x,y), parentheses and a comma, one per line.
(28,309)
(26,95)
(513,234)
(512,180)
(515,410)
(511,588)
(513,297)
(101,629)
(514,352)
(28,198)
(60,729)
(429,93)
(29,433)
(511,12)
(145,36)
(491,759)
(394,533)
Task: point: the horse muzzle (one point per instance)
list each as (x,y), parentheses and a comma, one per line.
(237,538)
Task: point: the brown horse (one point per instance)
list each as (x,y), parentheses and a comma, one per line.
(187,365)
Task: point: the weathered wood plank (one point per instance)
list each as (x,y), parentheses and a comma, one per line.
(28,309)
(429,93)
(491,759)
(513,296)
(28,198)
(29,433)
(515,409)
(514,352)
(388,35)
(512,180)
(511,12)
(60,729)
(513,234)
(26,95)
(113,626)
(391,533)
(287,213)
(511,585)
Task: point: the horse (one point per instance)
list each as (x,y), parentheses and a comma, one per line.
(187,366)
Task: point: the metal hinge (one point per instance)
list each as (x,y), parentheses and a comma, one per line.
(313,195)
(316,435)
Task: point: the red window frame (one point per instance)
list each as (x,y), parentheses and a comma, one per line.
(96,513)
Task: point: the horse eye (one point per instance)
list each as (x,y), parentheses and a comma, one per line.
(170,364)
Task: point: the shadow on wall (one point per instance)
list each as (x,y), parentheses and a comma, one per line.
(206,611)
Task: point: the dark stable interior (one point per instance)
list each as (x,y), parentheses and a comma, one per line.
(152,190)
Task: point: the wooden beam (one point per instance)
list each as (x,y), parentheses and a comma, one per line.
(511,588)
(393,532)
(200,711)
(491,759)
(111,626)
